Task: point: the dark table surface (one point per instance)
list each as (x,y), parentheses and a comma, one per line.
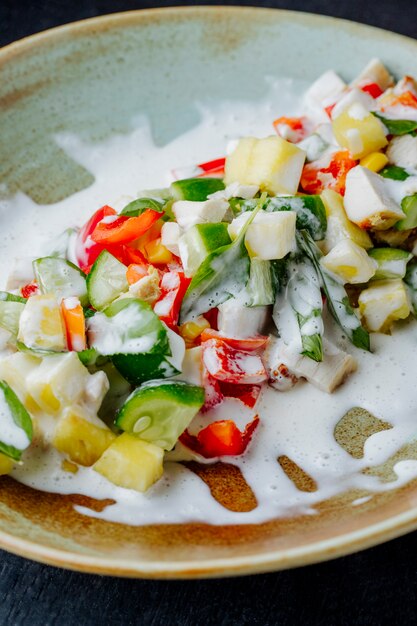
(373,587)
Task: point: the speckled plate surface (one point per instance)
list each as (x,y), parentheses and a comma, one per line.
(92,77)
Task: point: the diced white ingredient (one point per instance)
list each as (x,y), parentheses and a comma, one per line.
(279,376)
(188,213)
(10,433)
(20,274)
(313,146)
(177,345)
(41,325)
(14,369)
(170,235)
(367,201)
(355,140)
(239,321)
(374,72)
(236,190)
(354,96)
(349,263)
(402,151)
(326,88)
(270,236)
(96,387)
(325,131)
(147,287)
(384,302)
(71,303)
(192,366)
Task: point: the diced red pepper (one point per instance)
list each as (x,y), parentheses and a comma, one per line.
(373,89)
(173,288)
(232,366)
(86,250)
(215,164)
(124,229)
(250,344)
(316,177)
(222,438)
(248,394)
(29,290)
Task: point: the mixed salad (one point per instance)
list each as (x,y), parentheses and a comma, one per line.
(230,279)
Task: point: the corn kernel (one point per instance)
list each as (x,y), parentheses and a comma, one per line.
(191,330)
(374,161)
(157,253)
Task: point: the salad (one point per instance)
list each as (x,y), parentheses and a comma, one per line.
(133,326)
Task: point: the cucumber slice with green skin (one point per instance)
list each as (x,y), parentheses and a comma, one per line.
(11,307)
(259,287)
(199,241)
(16,430)
(195,189)
(160,411)
(106,281)
(60,277)
(409,207)
(392,262)
(394,172)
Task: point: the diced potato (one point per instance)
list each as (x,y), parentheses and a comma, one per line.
(61,380)
(374,72)
(6,464)
(384,302)
(374,161)
(349,262)
(339,226)
(273,164)
(270,236)
(82,437)
(359,131)
(131,463)
(367,201)
(41,325)
(14,369)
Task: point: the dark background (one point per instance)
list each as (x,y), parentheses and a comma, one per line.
(373,587)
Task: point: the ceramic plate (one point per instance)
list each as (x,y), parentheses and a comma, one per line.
(91,78)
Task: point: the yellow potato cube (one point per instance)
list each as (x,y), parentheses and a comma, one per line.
(272,164)
(82,437)
(6,464)
(359,131)
(349,262)
(41,324)
(339,226)
(131,463)
(382,303)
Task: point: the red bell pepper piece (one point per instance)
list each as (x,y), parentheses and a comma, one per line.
(373,89)
(29,290)
(215,164)
(222,438)
(173,288)
(86,250)
(124,229)
(316,177)
(250,344)
(248,394)
(232,366)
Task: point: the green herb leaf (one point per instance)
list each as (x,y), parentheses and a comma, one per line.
(397,127)
(394,172)
(21,418)
(139,206)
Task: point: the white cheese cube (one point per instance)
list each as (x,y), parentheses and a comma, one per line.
(382,303)
(236,190)
(402,151)
(367,201)
(354,96)
(349,263)
(59,381)
(170,235)
(326,88)
(270,236)
(374,72)
(189,213)
(237,320)
(96,387)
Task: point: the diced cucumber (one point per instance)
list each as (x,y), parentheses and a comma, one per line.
(199,241)
(106,281)
(60,277)
(195,189)
(394,172)
(16,429)
(11,307)
(409,207)
(136,207)
(159,411)
(259,287)
(392,262)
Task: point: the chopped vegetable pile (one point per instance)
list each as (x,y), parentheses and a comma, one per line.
(203,293)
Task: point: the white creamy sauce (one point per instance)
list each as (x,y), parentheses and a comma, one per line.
(299,423)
